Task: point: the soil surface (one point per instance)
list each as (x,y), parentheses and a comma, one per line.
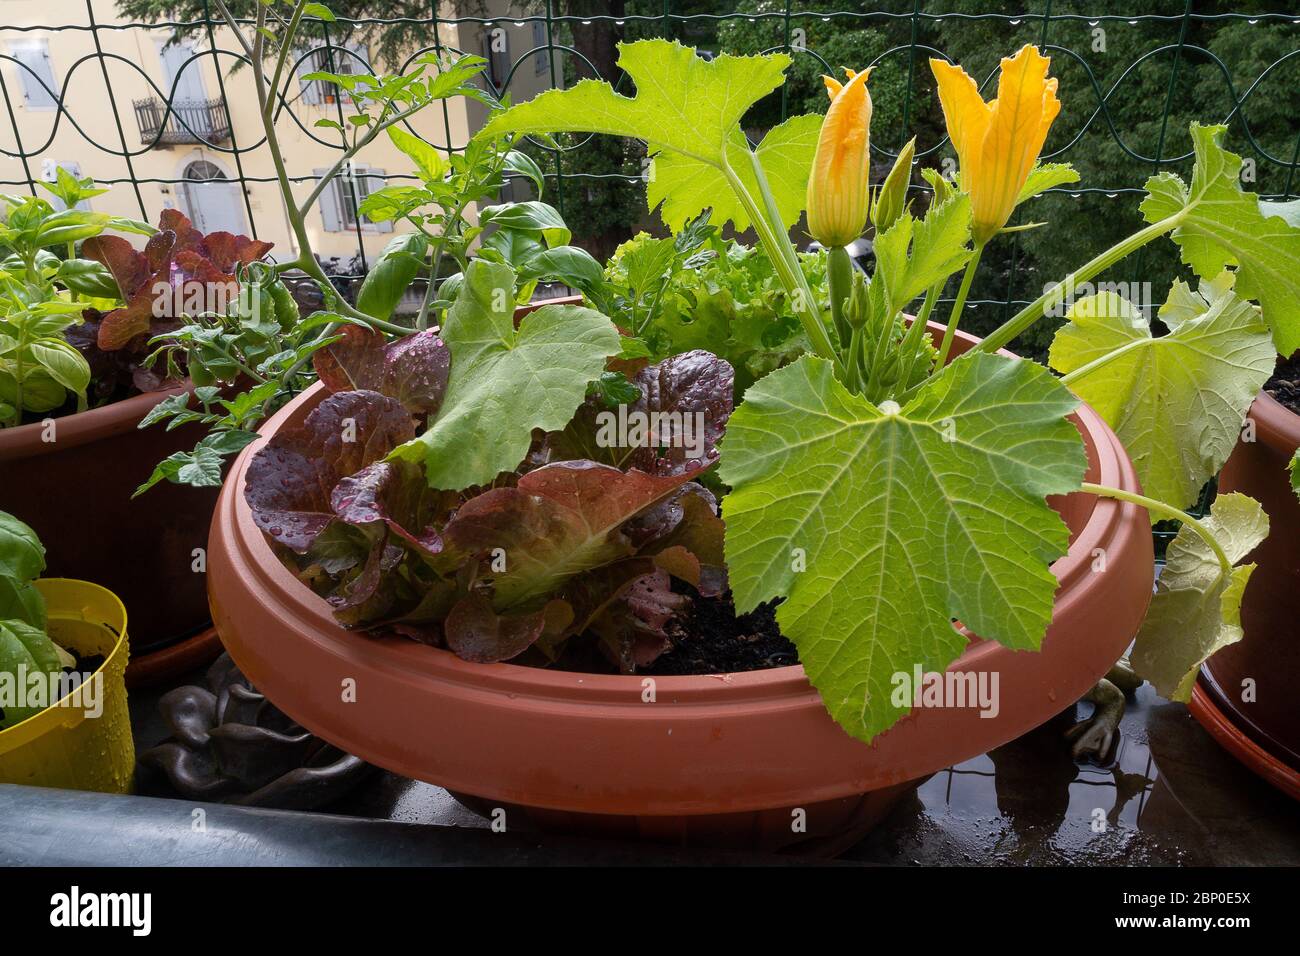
(715,640)
(85,667)
(1284,385)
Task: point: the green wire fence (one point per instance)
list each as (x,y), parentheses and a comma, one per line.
(1130,82)
(1101,86)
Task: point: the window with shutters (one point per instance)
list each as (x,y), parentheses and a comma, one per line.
(40,90)
(344,59)
(339,201)
(542,60)
(496,50)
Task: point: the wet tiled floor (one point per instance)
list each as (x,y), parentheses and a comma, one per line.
(1169,796)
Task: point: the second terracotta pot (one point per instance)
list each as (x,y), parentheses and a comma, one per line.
(72,481)
(748,759)
(1254,681)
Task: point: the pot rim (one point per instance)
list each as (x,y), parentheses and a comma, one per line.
(82,428)
(1275,424)
(63,593)
(409,660)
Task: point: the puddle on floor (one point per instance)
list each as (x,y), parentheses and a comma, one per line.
(1169,795)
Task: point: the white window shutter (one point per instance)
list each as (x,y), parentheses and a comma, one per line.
(311,90)
(329,203)
(374,180)
(354,65)
(33,57)
(541,60)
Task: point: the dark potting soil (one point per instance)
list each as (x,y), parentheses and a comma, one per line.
(1284,384)
(88,665)
(85,667)
(715,640)
(708,637)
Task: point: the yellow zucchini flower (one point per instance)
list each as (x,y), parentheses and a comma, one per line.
(997,143)
(838,198)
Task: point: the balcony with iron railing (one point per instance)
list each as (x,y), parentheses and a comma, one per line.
(189,121)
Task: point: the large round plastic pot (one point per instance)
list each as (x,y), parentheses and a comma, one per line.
(738,759)
(83,742)
(72,480)
(1253,682)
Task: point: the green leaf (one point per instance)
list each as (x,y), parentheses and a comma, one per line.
(646,262)
(511,246)
(912,256)
(686,186)
(880,525)
(568,264)
(1295,472)
(24,650)
(136,226)
(200,468)
(683,103)
(71,189)
(394,270)
(504,381)
(1176,402)
(318,10)
(22,556)
(427,160)
(20,600)
(171,405)
(613,389)
(531,216)
(524,165)
(87,277)
(64,364)
(1196,609)
(1223,226)
(71,225)
(1044,177)
(392,202)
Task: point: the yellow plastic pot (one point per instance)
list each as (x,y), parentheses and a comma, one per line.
(64,746)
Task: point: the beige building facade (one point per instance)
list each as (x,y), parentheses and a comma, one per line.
(114,78)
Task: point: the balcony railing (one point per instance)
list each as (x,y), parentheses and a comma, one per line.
(190,121)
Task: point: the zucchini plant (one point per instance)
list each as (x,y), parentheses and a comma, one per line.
(884,493)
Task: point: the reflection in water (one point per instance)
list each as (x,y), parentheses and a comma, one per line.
(1028,802)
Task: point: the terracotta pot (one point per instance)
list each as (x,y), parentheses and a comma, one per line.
(1269,654)
(723,760)
(76,492)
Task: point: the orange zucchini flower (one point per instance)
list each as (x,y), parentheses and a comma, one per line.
(838,199)
(997,143)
